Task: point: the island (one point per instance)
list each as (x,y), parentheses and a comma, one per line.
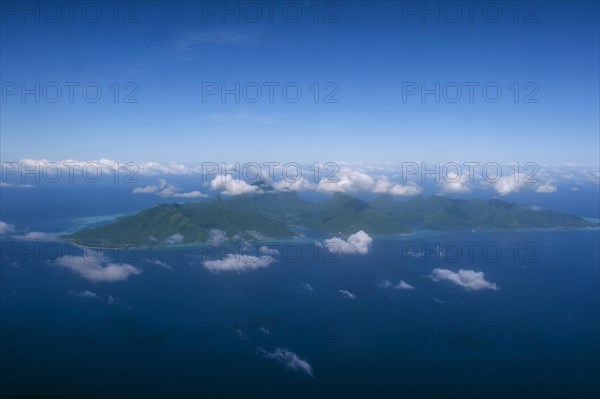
(272,215)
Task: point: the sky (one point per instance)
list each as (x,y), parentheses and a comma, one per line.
(368,72)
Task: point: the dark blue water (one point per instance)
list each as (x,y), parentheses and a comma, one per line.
(188,332)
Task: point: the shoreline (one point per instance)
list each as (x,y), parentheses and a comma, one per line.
(421,233)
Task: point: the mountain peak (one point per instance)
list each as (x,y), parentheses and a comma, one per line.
(263,185)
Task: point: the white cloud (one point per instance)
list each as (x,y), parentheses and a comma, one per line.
(37,236)
(348,180)
(231,186)
(400,286)
(439,301)
(238,262)
(382,185)
(307,287)
(347,294)
(87,294)
(174,239)
(264,250)
(97,269)
(510,184)
(404,286)
(385,284)
(159,263)
(468,279)
(166,190)
(191,194)
(354,179)
(150,189)
(536,208)
(409,189)
(6,228)
(357,243)
(454,184)
(546,188)
(216,237)
(299,185)
(110,300)
(289,359)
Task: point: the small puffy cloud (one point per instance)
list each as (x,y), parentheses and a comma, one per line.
(509,184)
(166,190)
(264,250)
(400,286)
(191,194)
(239,262)
(347,294)
(407,190)
(6,228)
(306,287)
(468,279)
(546,188)
(37,236)
(159,263)
(301,184)
(174,239)
(357,243)
(454,184)
(385,284)
(110,300)
(536,208)
(216,237)
(231,186)
(404,286)
(150,189)
(382,185)
(289,360)
(97,269)
(87,294)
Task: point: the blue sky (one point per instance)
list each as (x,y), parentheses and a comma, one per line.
(367,57)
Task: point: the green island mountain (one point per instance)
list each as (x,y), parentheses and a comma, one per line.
(272,214)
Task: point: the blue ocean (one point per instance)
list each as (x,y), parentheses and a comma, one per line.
(311,323)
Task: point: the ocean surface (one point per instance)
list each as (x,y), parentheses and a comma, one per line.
(311,323)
